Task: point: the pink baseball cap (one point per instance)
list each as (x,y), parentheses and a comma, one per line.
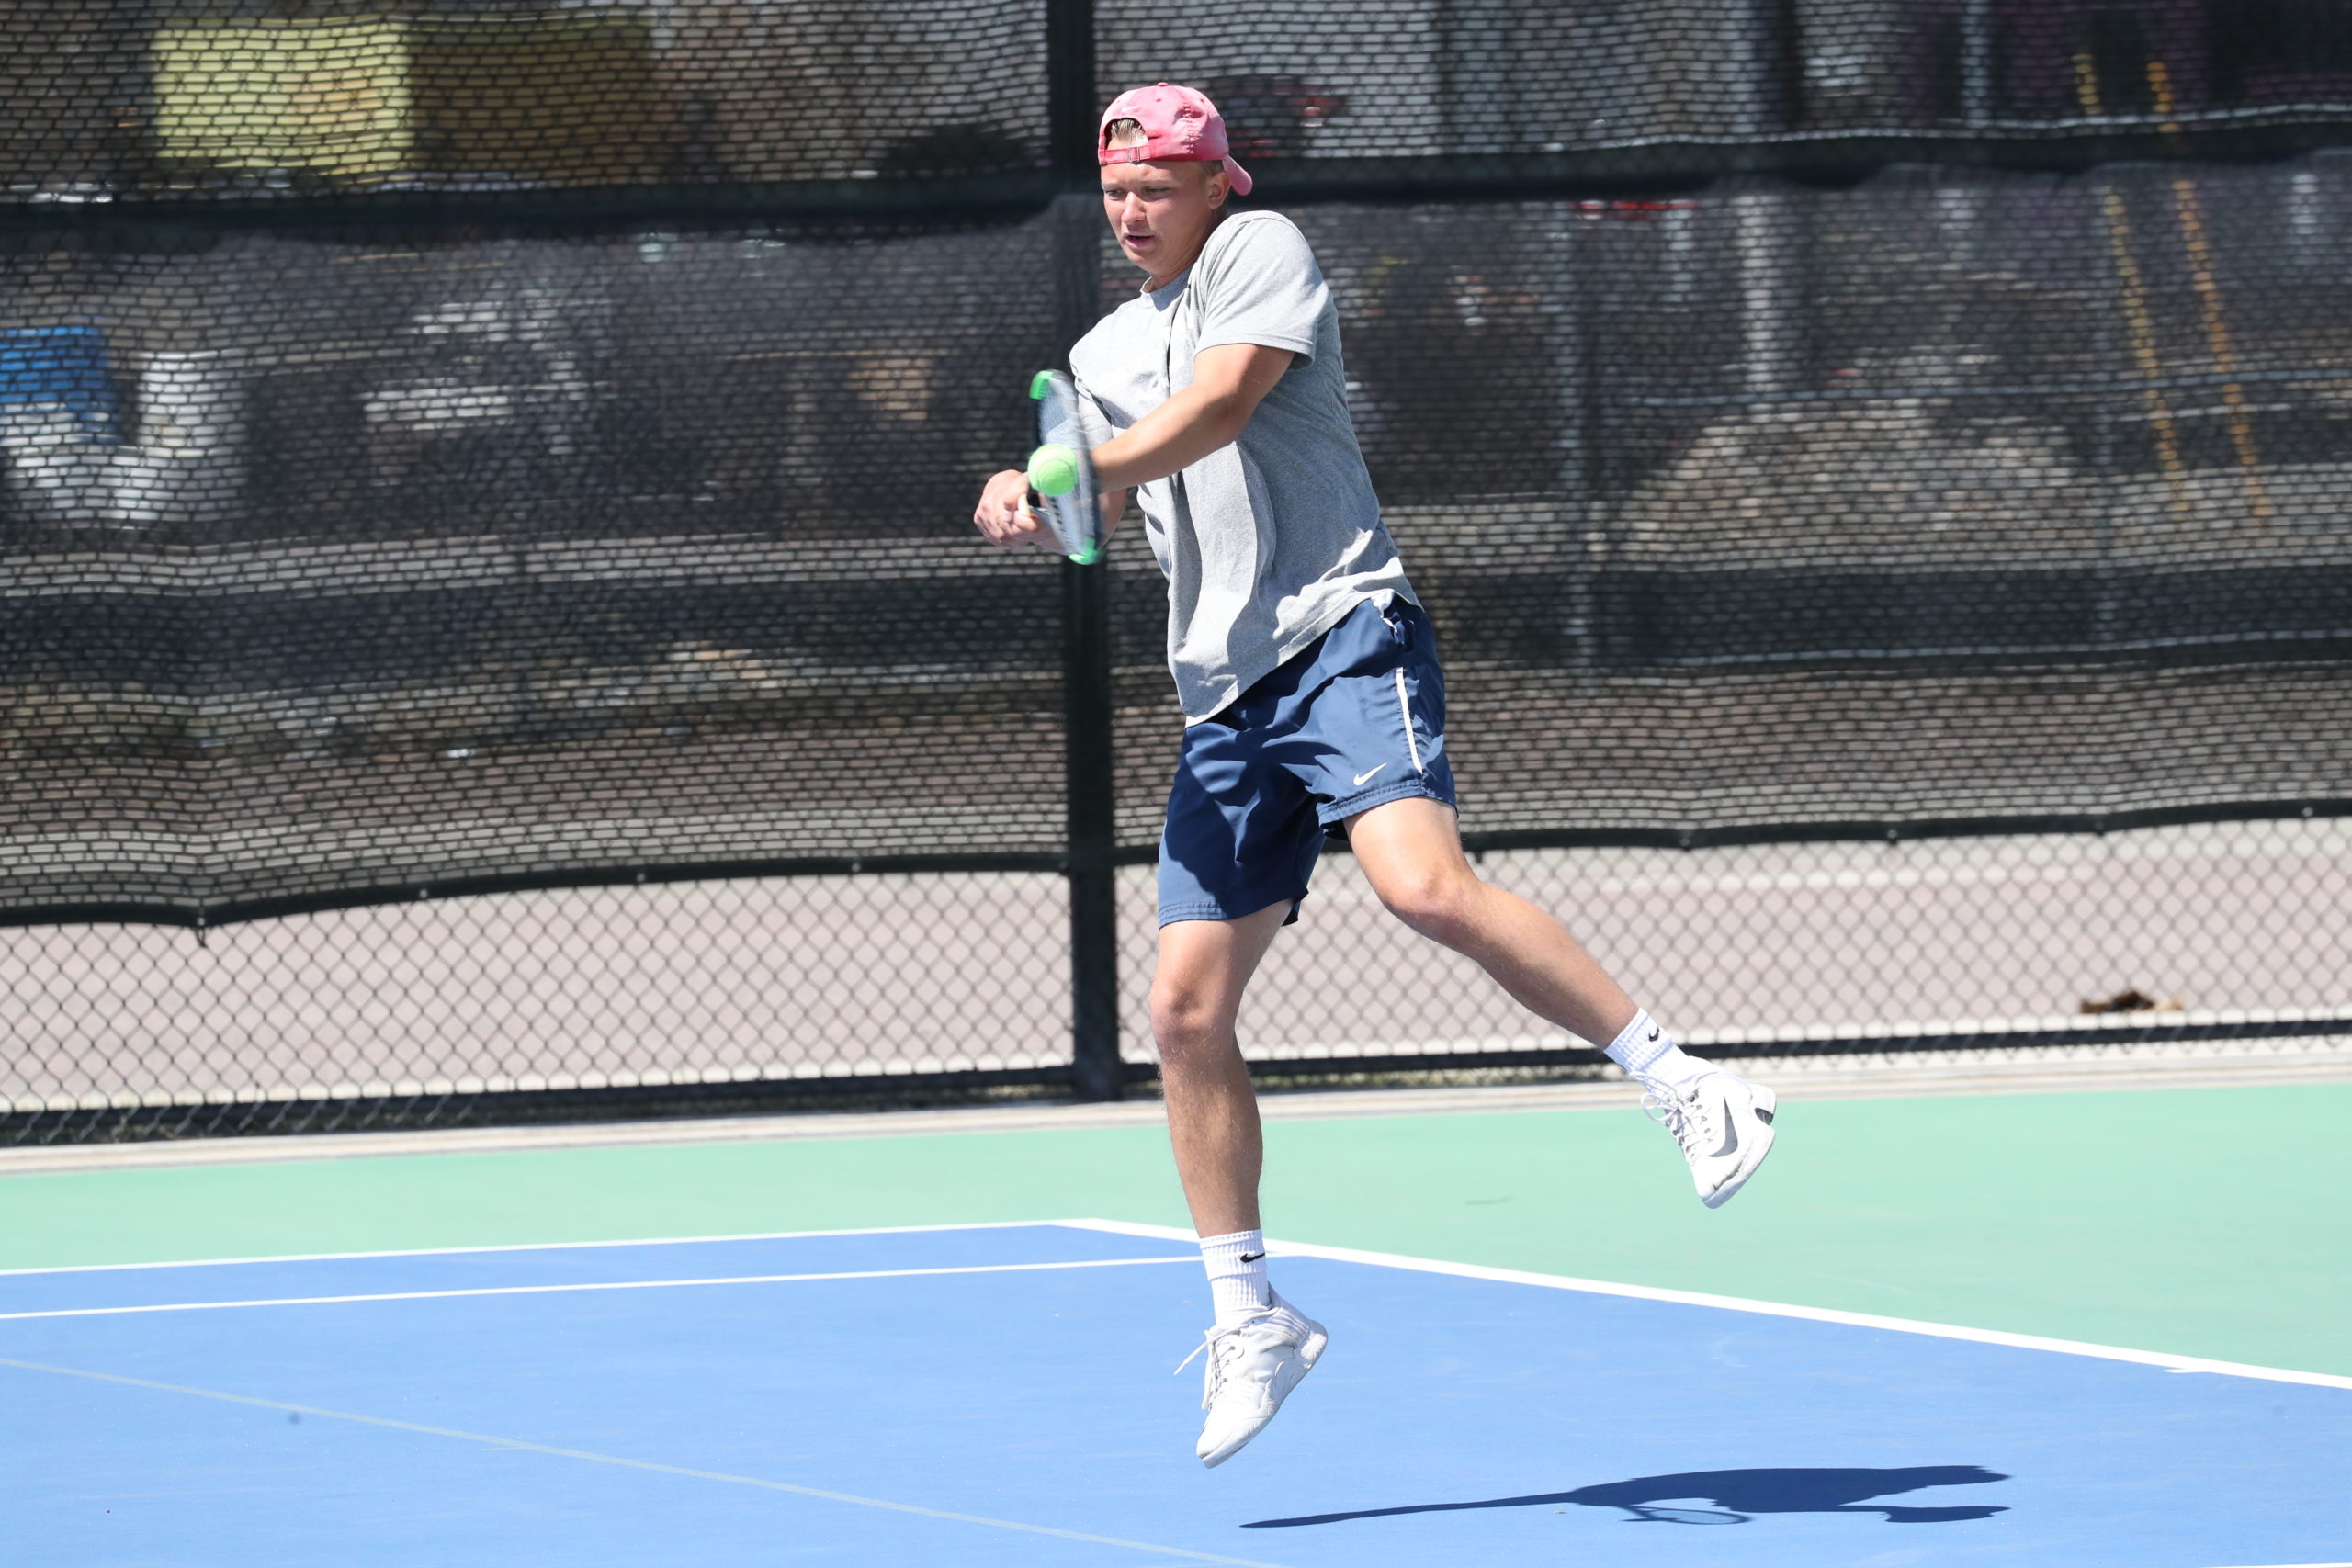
(1181,126)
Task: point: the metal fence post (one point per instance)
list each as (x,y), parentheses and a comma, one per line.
(1093,894)
(1086,589)
(1071,106)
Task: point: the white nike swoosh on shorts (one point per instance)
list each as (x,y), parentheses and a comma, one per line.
(1360,777)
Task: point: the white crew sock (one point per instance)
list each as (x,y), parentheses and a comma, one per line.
(1646,1051)
(1237,1266)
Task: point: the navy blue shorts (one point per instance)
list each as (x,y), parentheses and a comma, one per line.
(1354,720)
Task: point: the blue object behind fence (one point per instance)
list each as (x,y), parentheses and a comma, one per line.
(63,368)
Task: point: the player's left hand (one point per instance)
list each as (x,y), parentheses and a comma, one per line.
(1003,516)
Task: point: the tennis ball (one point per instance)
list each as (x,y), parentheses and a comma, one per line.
(1053,470)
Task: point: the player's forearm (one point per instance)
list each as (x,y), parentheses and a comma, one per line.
(1178,432)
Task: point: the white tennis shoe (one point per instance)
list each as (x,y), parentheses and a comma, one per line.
(1724,1123)
(1252,1367)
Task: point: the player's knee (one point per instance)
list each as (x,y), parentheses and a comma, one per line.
(1183,1018)
(1436,902)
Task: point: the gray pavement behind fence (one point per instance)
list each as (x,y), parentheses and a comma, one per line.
(817,978)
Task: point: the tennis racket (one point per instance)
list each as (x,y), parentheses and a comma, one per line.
(1062,490)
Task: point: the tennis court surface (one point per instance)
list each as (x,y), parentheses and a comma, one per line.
(999,1393)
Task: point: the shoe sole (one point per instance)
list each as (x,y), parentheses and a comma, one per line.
(1765,1101)
(1310,1350)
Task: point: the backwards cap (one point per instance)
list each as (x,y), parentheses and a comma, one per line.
(1181,126)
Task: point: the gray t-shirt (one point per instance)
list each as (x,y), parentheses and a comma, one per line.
(1269,542)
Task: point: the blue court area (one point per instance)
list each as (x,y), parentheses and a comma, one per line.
(1000,1395)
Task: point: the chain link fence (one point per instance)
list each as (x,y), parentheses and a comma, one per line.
(490,631)
(547,1002)
(760,991)
(2219,931)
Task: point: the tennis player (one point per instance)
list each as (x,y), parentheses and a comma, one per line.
(1312,704)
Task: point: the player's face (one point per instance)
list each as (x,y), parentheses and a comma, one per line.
(1163,213)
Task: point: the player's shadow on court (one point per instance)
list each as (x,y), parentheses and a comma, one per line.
(1734,1496)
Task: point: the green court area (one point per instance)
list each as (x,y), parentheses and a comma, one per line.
(2206,1221)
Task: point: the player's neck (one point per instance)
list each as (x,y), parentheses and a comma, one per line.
(1159,280)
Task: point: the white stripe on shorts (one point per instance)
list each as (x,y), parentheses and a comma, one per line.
(1405,712)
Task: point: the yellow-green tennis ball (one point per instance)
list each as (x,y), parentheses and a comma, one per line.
(1053,470)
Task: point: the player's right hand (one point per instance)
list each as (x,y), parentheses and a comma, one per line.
(1003,514)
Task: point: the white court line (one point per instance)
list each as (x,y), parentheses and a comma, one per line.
(1349,1254)
(1115,1227)
(591,1285)
(617,1459)
(1740,1303)
(535,1246)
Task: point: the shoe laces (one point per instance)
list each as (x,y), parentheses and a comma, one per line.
(1683,1115)
(1222,1351)
(1226,1347)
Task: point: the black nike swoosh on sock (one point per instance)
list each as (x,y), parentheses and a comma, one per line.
(1251,1257)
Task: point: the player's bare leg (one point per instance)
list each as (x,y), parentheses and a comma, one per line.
(1259,1347)
(1411,851)
(1212,1111)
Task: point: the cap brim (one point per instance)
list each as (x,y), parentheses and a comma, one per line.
(1239,175)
